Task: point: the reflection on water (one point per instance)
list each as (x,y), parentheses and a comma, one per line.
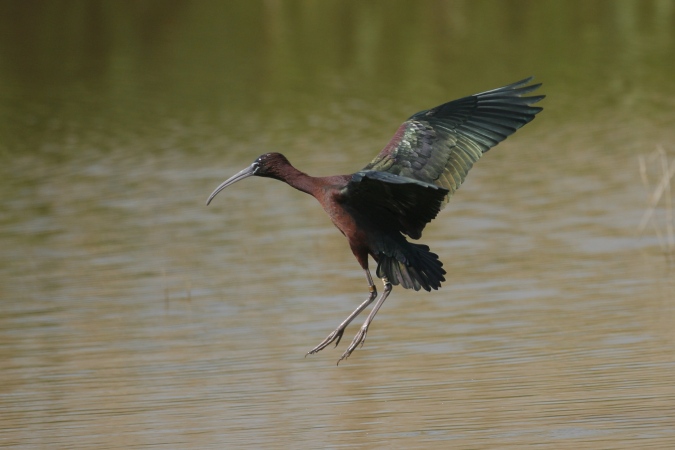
(132,315)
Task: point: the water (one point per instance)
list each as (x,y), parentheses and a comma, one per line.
(132,315)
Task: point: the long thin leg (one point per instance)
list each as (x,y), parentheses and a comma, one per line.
(360,337)
(337,334)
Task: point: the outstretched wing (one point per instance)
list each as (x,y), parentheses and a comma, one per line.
(440,145)
(394,202)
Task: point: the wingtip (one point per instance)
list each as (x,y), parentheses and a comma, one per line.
(524,80)
(519,83)
(519,86)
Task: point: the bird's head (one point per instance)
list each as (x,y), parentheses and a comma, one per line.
(269,165)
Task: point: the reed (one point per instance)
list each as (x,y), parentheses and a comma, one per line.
(659,212)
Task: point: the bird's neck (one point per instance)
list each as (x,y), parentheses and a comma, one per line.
(300,180)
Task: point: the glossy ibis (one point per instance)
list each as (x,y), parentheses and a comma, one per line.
(404,188)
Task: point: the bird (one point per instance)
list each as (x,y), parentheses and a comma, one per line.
(403,189)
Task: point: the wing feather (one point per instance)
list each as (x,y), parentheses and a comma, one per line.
(394,202)
(440,145)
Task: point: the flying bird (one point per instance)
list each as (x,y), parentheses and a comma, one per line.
(403,189)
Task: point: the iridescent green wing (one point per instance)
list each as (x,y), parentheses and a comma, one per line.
(440,145)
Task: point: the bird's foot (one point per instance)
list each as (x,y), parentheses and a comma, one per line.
(337,334)
(359,339)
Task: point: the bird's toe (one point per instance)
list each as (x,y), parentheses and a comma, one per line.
(359,339)
(334,336)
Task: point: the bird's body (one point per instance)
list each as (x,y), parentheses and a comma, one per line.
(404,188)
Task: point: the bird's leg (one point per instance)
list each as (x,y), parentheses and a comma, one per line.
(360,337)
(337,334)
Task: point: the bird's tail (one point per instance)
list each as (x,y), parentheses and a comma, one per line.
(411,265)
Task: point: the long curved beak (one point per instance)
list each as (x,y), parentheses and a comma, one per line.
(247,172)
